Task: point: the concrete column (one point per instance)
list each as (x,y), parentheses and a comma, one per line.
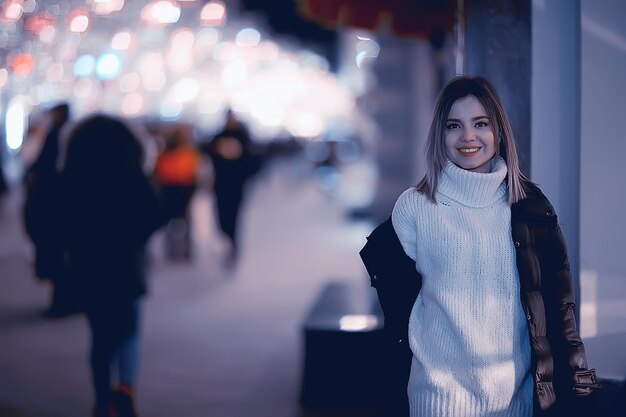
(394,112)
(407,86)
(497,45)
(555,134)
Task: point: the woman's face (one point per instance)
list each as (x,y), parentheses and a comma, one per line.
(469,139)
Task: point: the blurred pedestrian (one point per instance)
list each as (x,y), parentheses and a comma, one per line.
(41,215)
(110,212)
(4,187)
(234,163)
(473,277)
(176,172)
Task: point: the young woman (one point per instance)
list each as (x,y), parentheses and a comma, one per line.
(110,211)
(472,274)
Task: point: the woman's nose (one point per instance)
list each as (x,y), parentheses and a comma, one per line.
(468,135)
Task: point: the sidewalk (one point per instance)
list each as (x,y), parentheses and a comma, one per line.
(215,343)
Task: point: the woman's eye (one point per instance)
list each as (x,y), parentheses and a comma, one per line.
(482,124)
(452,126)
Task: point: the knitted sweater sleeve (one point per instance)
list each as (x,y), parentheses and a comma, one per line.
(403,220)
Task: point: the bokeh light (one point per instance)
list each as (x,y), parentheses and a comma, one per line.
(213,13)
(130,82)
(47,34)
(108,66)
(84,66)
(4,77)
(248,37)
(171,109)
(84,88)
(13,10)
(161,12)
(132,104)
(105,7)
(54,74)
(184,60)
(16,121)
(22,64)
(185,90)
(79,20)
(121,41)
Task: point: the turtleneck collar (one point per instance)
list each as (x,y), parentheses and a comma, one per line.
(473,189)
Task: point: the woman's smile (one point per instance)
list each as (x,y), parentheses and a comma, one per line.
(468,151)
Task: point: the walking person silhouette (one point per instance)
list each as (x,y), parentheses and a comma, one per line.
(234,163)
(41,214)
(110,212)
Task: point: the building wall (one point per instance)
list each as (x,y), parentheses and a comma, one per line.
(406,90)
(578,86)
(603,176)
(555,114)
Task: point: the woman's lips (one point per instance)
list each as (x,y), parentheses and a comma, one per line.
(469,151)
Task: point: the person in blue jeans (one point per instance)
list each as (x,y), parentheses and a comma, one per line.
(110,211)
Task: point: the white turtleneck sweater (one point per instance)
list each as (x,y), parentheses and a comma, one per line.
(467,330)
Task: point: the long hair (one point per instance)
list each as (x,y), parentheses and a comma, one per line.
(436,159)
(102,146)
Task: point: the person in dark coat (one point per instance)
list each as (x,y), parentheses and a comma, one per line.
(110,211)
(234,162)
(472,274)
(4,187)
(41,213)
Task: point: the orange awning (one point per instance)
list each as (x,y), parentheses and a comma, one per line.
(407,18)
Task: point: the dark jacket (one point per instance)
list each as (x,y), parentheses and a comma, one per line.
(41,209)
(559,364)
(232,171)
(108,222)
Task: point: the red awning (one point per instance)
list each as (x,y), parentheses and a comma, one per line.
(407,18)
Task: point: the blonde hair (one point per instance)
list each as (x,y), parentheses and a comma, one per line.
(436,158)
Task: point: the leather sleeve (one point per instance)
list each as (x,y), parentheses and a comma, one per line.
(560,302)
(392,273)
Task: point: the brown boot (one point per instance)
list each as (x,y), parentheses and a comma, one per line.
(123,400)
(108,411)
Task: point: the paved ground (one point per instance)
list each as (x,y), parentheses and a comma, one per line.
(216,342)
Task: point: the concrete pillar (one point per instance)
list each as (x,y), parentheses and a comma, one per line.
(497,45)
(407,85)
(555,144)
